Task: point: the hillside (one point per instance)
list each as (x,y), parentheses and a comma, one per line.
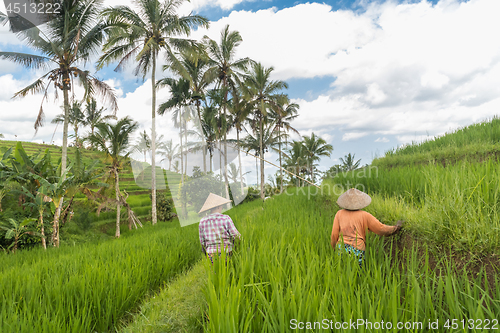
(88,225)
(446,189)
(475,142)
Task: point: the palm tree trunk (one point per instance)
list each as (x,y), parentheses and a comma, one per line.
(257,170)
(202,138)
(117,193)
(153,143)
(281,170)
(262,178)
(42,230)
(239,160)
(182,151)
(211,161)
(55,232)
(186,140)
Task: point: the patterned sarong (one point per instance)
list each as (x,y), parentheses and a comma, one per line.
(351,250)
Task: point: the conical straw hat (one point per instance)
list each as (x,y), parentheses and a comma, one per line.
(354,199)
(213,201)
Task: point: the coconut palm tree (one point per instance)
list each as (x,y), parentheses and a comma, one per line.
(261,144)
(227,69)
(193,67)
(239,110)
(169,152)
(179,103)
(113,140)
(284,114)
(296,159)
(263,94)
(94,116)
(349,163)
(315,147)
(70,38)
(76,118)
(142,36)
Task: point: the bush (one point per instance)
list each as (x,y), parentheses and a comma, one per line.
(165,209)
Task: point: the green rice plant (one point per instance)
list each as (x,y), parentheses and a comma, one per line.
(457,205)
(88,288)
(284,276)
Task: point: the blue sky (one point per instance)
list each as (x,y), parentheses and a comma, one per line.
(368,75)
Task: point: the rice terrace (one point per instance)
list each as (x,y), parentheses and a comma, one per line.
(249,166)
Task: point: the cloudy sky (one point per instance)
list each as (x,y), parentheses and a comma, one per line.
(368,75)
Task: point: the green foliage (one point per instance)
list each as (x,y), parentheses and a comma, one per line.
(88,288)
(457,205)
(165,208)
(285,269)
(474,142)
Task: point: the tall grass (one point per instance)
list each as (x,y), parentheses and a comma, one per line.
(474,142)
(486,132)
(285,270)
(88,288)
(458,204)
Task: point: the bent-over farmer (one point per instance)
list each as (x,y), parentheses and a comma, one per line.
(217,231)
(351,224)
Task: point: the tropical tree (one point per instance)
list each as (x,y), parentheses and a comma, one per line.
(235,173)
(142,36)
(17,229)
(263,94)
(1,135)
(227,69)
(315,147)
(239,110)
(71,37)
(143,144)
(261,143)
(56,190)
(349,163)
(193,67)
(93,115)
(296,160)
(169,152)
(40,204)
(76,118)
(179,103)
(113,140)
(285,113)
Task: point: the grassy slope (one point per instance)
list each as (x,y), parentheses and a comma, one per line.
(104,224)
(285,268)
(446,189)
(476,142)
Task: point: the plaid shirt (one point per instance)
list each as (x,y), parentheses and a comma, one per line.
(212,228)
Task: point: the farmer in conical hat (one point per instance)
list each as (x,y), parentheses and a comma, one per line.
(217,231)
(351,223)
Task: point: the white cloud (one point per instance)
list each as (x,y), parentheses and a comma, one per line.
(353,136)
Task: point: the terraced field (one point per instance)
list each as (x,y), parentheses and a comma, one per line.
(136,186)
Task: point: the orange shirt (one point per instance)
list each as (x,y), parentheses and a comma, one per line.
(353,224)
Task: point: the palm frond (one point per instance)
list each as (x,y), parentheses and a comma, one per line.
(26,60)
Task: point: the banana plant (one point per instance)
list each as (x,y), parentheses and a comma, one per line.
(39,203)
(16,230)
(56,192)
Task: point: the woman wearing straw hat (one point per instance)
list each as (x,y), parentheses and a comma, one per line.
(217,230)
(351,223)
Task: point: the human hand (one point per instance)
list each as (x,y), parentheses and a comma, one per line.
(399,225)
